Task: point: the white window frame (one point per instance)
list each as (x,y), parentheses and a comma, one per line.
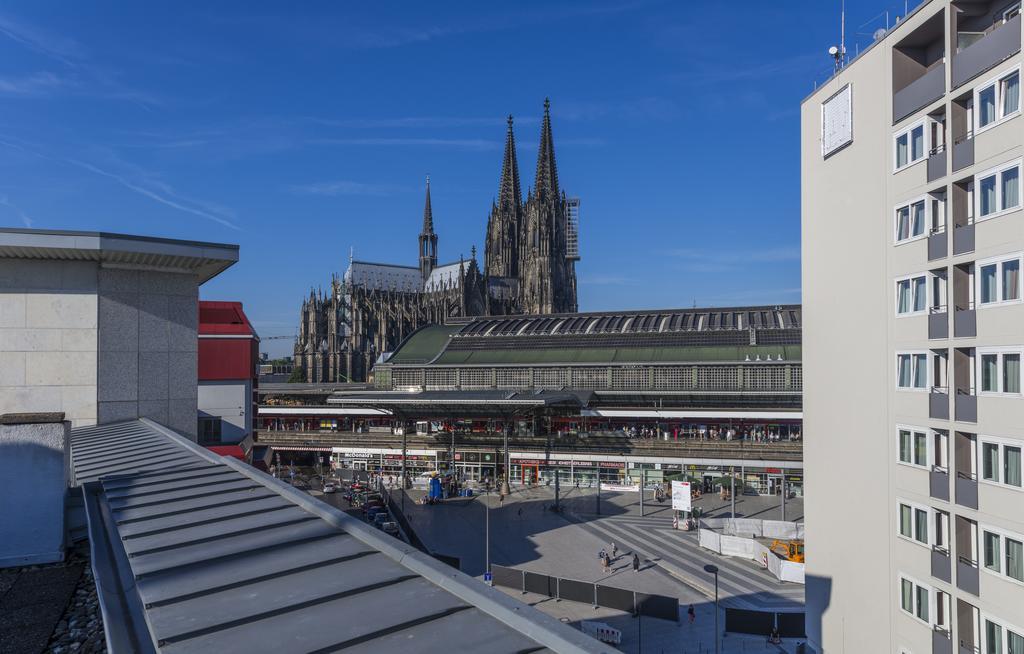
(1012,8)
(927,446)
(998,261)
(906,131)
(997,171)
(926,220)
(1001,352)
(929,527)
(913,297)
(928,371)
(1006,626)
(1000,116)
(916,584)
(1003,535)
(1001,463)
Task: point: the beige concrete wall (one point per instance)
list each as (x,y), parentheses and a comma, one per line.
(48,328)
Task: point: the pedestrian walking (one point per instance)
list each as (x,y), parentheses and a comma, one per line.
(519,513)
(615,551)
(636,563)
(693,614)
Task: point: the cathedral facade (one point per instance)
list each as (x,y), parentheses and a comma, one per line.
(529,267)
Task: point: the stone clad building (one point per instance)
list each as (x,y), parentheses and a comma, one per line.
(529,267)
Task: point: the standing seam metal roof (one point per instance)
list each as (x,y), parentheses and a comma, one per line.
(195,553)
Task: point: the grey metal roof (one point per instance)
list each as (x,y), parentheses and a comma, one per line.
(208,554)
(203,259)
(482,399)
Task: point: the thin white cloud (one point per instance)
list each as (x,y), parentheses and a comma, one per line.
(466,144)
(57,47)
(25,220)
(719,260)
(168,197)
(35,84)
(345,187)
(607,280)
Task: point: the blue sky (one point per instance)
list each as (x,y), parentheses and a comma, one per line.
(301,134)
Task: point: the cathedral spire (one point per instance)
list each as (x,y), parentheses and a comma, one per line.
(509,194)
(546,183)
(428,214)
(428,239)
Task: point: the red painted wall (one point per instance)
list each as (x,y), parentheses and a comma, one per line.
(226,358)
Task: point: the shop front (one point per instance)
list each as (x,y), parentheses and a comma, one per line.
(476,465)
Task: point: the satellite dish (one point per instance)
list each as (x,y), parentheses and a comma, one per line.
(879,33)
(833,51)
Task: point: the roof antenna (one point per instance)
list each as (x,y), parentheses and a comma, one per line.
(839,53)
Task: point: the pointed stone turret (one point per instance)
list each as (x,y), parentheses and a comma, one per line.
(545,186)
(428,239)
(509,194)
(501,246)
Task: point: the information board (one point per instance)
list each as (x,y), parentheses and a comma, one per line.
(681,496)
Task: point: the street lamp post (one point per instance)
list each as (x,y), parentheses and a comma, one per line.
(487,531)
(713,569)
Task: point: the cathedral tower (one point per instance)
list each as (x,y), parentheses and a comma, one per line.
(547,276)
(428,239)
(501,249)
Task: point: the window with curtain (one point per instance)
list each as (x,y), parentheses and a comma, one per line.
(920,370)
(987,106)
(993,638)
(987,196)
(1011,280)
(922,602)
(902,223)
(920,294)
(920,449)
(1011,466)
(909,146)
(997,99)
(988,280)
(903,296)
(1011,373)
(990,555)
(906,370)
(1014,559)
(905,446)
(921,526)
(917,218)
(990,373)
(1010,190)
(906,524)
(1014,643)
(907,595)
(990,461)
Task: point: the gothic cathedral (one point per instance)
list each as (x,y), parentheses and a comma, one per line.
(529,268)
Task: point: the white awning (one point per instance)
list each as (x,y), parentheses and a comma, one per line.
(697,415)
(272,411)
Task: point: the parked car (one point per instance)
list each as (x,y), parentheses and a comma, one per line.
(330,488)
(372,512)
(390,528)
(380,519)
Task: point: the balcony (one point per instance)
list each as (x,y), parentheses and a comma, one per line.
(938,323)
(938,403)
(938,246)
(938,484)
(965,322)
(963,239)
(967,575)
(967,490)
(920,93)
(937,164)
(963,152)
(941,565)
(942,641)
(985,50)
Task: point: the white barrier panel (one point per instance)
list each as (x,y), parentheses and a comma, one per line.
(710,540)
(761,553)
(775,565)
(738,546)
(792,571)
(779,529)
(745,527)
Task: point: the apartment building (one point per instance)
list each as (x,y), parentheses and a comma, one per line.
(913,241)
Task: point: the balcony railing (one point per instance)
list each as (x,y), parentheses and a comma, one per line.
(938,246)
(967,490)
(938,403)
(921,92)
(963,152)
(967,575)
(942,568)
(942,641)
(965,321)
(938,483)
(963,238)
(938,322)
(984,50)
(937,163)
